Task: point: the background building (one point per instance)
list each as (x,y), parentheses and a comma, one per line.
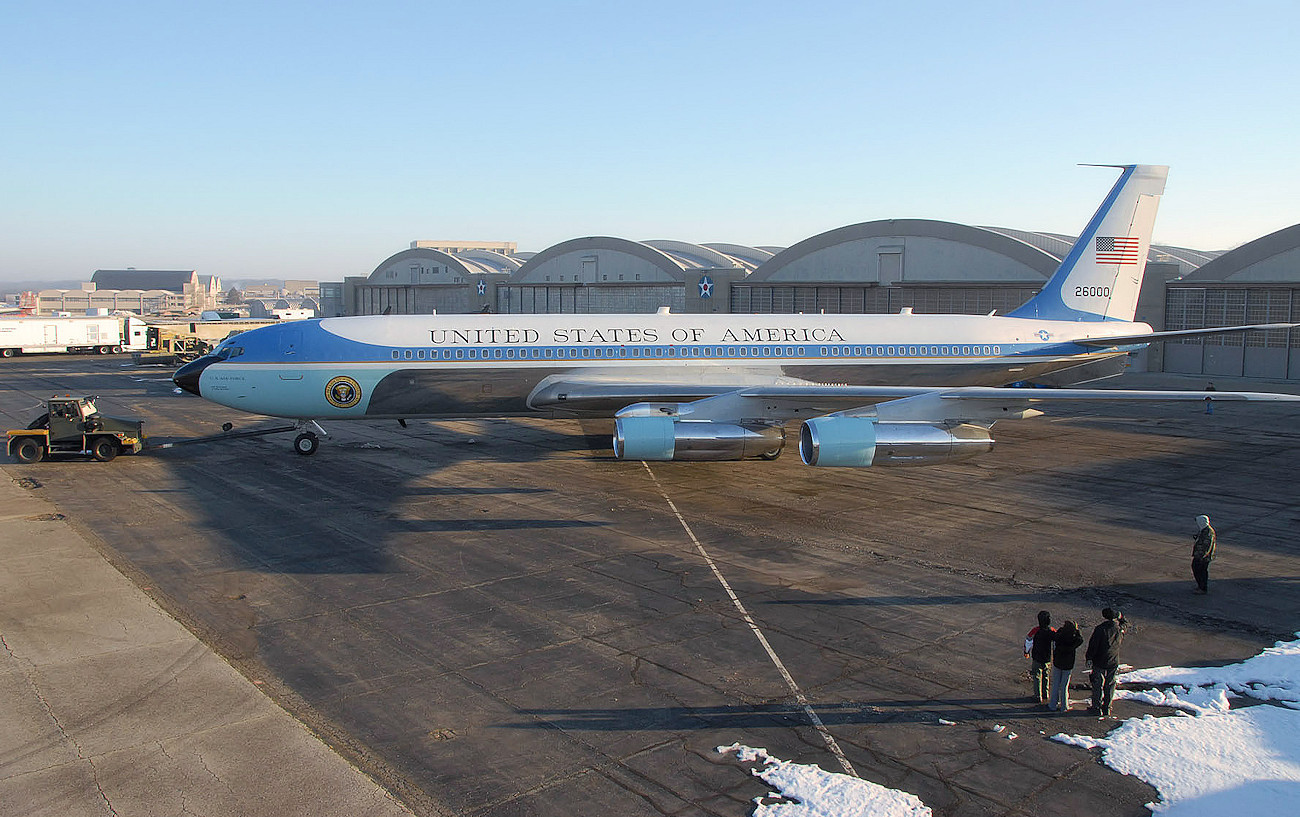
(1258,282)
(460,278)
(88,297)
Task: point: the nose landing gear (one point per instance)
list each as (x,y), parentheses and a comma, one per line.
(306,443)
(308,440)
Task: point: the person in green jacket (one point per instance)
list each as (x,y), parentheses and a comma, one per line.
(1203,543)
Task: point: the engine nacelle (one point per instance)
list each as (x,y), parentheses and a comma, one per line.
(862,441)
(666,438)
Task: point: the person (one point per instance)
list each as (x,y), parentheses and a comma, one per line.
(1038,648)
(1203,542)
(1103,656)
(1064,647)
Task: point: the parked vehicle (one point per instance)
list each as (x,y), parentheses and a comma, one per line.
(73,426)
(82,335)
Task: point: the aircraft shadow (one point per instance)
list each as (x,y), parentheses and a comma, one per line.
(778,715)
(449,525)
(1232,602)
(343,524)
(914,600)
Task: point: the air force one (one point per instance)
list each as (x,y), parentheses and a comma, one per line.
(900,389)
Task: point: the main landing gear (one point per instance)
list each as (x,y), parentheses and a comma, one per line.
(308,439)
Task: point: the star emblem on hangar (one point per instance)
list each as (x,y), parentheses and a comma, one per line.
(482,287)
(706,287)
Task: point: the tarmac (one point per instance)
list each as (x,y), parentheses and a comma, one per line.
(112,707)
(497,619)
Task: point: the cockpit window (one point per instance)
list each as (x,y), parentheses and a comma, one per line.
(227,352)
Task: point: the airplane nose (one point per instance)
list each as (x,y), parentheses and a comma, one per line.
(187,376)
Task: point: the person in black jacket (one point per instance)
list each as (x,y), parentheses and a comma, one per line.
(1103,655)
(1203,544)
(1064,646)
(1038,648)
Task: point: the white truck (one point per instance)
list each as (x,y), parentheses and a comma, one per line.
(89,335)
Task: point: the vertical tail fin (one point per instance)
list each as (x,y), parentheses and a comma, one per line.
(1101,275)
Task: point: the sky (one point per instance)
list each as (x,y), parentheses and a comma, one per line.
(313,140)
(1232,755)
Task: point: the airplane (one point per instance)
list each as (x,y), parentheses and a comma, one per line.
(868,390)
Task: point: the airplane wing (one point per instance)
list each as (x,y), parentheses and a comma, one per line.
(786,399)
(1124,340)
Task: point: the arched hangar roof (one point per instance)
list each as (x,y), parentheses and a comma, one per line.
(933,252)
(1273,259)
(747,257)
(694,256)
(428,266)
(596,259)
(489,262)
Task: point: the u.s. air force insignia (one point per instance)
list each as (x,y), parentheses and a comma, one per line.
(343,392)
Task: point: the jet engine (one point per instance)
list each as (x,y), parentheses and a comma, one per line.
(666,438)
(862,441)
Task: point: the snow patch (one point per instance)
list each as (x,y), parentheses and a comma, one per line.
(1273,675)
(814,792)
(1219,760)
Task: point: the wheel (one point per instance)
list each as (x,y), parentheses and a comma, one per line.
(103,350)
(117,350)
(28,450)
(6,352)
(306,443)
(103,448)
(770,455)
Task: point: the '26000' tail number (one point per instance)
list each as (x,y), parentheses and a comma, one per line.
(1092,292)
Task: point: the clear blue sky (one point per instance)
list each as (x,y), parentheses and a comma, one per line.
(313,140)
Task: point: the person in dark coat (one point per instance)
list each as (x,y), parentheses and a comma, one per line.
(1064,647)
(1203,542)
(1038,649)
(1103,655)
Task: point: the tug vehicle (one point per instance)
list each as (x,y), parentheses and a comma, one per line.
(73,426)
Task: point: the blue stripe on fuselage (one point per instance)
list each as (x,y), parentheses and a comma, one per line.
(307,342)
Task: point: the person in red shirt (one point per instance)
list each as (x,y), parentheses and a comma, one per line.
(1038,649)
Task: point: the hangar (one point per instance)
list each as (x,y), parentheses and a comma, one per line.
(451,277)
(602,274)
(1258,282)
(872,267)
(884,266)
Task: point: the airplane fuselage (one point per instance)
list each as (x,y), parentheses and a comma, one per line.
(409,366)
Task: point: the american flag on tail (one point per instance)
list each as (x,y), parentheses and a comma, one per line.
(1117,250)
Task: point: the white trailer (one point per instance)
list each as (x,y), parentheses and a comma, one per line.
(89,335)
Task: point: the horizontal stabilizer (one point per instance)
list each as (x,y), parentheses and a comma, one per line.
(1124,340)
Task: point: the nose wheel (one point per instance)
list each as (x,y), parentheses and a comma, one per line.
(306,443)
(308,439)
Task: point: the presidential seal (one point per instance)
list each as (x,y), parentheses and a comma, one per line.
(343,392)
